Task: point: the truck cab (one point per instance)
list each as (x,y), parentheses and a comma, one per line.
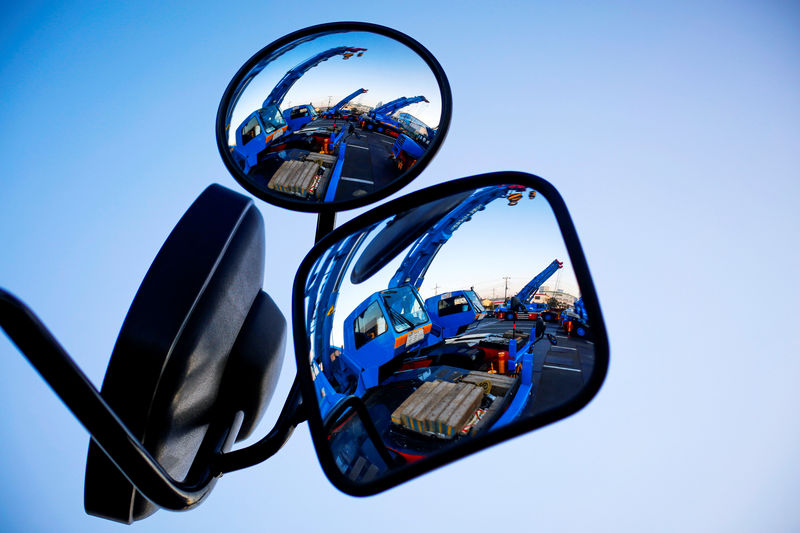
(298,116)
(453,312)
(256,133)
(384,326)
(406,151)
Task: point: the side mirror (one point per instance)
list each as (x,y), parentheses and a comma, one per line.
(400,369)
(398,377)
(333,117)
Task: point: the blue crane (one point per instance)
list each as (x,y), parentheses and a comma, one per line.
(524,298)
(388,109)
(380,117)
(278,93)
(412,269)
(575,322)
(392,341)
(335,109)
(263,126)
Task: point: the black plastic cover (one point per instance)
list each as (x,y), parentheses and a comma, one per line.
(164,379)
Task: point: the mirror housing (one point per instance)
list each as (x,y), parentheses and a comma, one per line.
(320,161)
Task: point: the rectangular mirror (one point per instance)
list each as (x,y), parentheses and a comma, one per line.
(442,324)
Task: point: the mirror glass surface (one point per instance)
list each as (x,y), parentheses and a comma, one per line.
(441,323)
(332,117)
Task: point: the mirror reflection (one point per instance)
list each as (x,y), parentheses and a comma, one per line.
(453,319)
(333,117)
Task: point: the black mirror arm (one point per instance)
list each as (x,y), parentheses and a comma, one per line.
(81,397)
(292,415)
(325,223)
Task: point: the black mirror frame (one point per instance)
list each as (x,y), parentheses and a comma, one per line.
(488,439)
(336,27)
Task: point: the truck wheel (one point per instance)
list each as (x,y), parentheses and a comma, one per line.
(580,331)
(509,316)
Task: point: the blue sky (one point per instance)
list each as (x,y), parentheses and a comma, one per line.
(671,131)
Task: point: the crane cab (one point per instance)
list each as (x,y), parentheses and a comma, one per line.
(256,133)
(298,116)
(386,325)
(454,311)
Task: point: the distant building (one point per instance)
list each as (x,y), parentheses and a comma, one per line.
(564,299)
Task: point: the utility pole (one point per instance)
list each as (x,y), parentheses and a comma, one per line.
(505,294)
(436,289)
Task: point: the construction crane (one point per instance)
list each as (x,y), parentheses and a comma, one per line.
(521,305)
(265,125)
(380,117)
(337,108)
(392,341)
(575,321)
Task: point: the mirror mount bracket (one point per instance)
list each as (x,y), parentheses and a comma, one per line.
(325,223)
(292,415)
(74,388)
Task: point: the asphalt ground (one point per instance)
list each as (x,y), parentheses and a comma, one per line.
(367,164)
(560,370)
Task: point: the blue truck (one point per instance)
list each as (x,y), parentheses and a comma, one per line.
(337,110)
(380,119)
(259,133)
(406,151)
(575,321)
(393,342)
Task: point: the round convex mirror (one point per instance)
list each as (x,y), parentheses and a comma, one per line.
(333,117)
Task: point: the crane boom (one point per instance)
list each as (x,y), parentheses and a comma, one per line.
(527,292)
(337,107)
(282,87)
(399,103)
(413,268)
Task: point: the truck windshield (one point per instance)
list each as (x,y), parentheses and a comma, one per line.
(300,112)
(405,308)
(476,303)
(272,119)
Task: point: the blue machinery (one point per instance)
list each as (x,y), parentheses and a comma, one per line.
(394,322)
(412,269)
(526,294)
(381,116)
(338,107)
(263,126)
(278,93)
(576,323)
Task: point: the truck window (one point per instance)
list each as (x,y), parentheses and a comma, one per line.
(453,305)
(405,308)
(272,119)
(476,303)
(369,325)
(299,112)
(251,130)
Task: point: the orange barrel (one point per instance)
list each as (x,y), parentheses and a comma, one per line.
(502,358)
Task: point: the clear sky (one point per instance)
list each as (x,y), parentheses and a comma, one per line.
(672,130)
